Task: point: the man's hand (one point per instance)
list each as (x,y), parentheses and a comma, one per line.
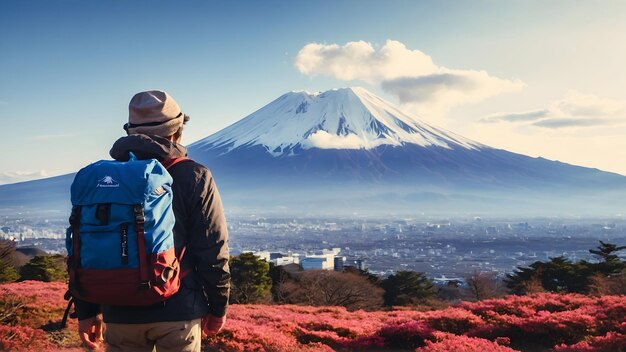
(211,324)
(90,331)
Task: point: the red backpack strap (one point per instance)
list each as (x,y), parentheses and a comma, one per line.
(168,165)
(183,273)
(171,162)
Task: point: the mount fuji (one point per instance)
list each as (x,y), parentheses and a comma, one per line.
(347,151)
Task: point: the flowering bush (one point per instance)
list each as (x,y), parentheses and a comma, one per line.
(40,309)
(42,303)
(549,329)
(611,342)
(609,312)
(454,320)
(410,334)
(544,321)
(22,338)
(455,343)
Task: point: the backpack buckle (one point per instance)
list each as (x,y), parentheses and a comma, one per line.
(139,217)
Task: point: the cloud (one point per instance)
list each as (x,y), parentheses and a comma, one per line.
(516,117)
(20,176)
(575,109)
(425,88)
(575,103)
(570,122)
(450,88)
(411,75)
(360,61)
(324,140)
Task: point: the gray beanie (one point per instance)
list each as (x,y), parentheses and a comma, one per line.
(155,113)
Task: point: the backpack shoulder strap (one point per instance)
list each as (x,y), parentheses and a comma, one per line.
(171,162)
(168,164)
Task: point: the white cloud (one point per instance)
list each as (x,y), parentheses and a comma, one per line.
(575,109)
(411,75)
(575,103)
(324,140)
(20,176)
(360,61)
(525,116)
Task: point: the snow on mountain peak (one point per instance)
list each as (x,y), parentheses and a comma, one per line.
(345,118)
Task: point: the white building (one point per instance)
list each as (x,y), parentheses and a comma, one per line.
(278,258)
(324,260)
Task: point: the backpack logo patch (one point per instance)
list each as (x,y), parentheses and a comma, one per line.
(107,181)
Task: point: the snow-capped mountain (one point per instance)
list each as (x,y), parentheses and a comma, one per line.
(346,150)
(348,118)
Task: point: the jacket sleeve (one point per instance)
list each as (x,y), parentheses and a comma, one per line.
(86,310)
(208,243)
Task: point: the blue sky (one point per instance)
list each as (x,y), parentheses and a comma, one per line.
(553,79)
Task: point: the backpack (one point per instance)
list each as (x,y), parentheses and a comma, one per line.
(120,242)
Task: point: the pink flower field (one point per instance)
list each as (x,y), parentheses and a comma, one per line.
(30,312)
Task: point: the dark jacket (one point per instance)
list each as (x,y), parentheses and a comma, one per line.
(200,227)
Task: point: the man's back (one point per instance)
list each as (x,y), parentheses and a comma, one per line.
(200,228)
(200,231)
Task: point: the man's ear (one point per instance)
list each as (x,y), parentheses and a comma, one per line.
(178,136)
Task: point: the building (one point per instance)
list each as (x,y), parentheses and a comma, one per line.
(354,262)
(309,263)
(325,259)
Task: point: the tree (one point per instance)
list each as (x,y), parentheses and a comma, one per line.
(283,283)
(6,249)
(45,268)
(451,291)
(407,288)
(8,273)
(483,285)
(601,284)
(374,279)
(518,281)
(557,275)
(610,263)
(332,288)
(250,281)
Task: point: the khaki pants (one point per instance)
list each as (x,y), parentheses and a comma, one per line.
(178,336)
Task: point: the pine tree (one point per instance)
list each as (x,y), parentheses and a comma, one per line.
(250,280)
(406,288)
(45,268)
(610,263)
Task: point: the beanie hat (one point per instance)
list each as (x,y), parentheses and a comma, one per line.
(154,113)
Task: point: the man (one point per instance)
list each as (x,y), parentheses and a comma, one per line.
(154,130)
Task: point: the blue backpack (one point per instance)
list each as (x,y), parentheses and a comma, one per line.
(120,242)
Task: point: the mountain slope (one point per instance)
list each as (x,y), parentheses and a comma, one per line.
(44,197)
